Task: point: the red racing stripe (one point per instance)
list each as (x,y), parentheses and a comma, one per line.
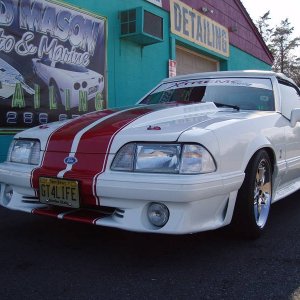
(85,216)
(80,215)
(59,143)
(50,212)
(91,147)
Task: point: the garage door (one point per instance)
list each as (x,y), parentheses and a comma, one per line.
(190,62)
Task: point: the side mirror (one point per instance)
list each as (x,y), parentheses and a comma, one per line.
(295,116)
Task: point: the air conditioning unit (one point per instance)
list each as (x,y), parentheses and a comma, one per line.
(141,26)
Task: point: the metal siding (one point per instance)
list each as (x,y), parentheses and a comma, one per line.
(189,62)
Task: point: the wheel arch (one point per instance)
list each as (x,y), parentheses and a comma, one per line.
(272,157)
(270,153)
(260,144)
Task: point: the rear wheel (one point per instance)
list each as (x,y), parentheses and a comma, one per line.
(254,197)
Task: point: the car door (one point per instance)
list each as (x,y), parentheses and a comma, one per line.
(290,99)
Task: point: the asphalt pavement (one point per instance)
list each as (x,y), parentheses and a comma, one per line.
(44,258)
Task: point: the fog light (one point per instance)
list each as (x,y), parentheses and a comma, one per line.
(158,214)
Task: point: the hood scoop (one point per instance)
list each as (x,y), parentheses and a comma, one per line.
(179,115)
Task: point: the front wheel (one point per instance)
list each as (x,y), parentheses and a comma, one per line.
(254,197)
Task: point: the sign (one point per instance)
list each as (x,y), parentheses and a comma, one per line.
(191,25)
(52,63)
(172,68)
(156,2)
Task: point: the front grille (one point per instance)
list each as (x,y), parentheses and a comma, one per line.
(30,200)
(119,213)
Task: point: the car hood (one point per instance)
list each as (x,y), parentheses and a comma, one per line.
(88,133)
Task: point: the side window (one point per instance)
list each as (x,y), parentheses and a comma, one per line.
(290,98)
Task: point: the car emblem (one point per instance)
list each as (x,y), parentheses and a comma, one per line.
(44,126)
(153,128)
(70,160)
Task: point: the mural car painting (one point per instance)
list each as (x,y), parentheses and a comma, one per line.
(52,62)
(68,77)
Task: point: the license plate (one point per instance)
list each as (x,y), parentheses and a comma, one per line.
(60,192)
(93,89)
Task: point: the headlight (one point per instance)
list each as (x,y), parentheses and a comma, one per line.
(196,159)
(124,159)
(157,158)
(24,151)
(164,158)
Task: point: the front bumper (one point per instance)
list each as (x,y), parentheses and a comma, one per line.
(195,202)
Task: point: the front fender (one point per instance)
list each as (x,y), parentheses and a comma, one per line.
(256,145)
(240,142)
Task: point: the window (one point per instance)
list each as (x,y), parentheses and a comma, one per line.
(246,93)
(290,98)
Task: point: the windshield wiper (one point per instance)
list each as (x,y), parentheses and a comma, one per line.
(226,105)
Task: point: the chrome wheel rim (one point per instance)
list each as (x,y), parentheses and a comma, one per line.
(262,193)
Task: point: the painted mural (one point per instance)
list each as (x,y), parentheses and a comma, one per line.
(52,63)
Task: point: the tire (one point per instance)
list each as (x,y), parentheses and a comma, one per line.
(254,197)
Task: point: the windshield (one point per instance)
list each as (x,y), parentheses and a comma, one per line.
(243,93)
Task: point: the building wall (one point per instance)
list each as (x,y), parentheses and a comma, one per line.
(4,142)
(131,68)
(239,60)
(231,14)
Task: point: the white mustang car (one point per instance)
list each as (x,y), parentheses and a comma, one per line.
(197,153)
(67,77)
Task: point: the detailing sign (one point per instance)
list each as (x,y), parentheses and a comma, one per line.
(191,25)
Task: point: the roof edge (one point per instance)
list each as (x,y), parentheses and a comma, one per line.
(254,28)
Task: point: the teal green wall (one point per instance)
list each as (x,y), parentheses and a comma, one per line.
(132,69)
(4,145)
(240,60)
